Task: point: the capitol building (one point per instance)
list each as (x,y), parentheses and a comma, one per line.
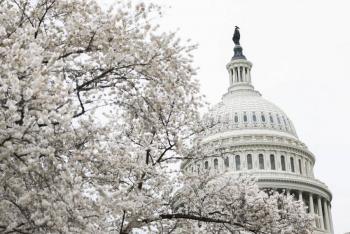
(255,136)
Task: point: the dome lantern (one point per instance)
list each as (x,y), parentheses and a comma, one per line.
(239,67)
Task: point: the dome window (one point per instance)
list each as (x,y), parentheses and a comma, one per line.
(254,117)
(278,120)
(283,163)
(249,161)
(300,171)
(216,164)
(206,165)
(263,117)
(261,162)
(245,118)
(238,162)
(292,164)
(271,119)
(272,162)
(236,118)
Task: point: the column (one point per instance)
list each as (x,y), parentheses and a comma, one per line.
(239,74)
(243,74)
(330,217)
(287,161)
(311,207)
(244,161)
(249,78)
(325,206)
(320,211)
(300,196)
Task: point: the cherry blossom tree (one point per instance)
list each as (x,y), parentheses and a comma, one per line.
(98,109)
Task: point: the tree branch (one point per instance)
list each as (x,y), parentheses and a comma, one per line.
(41,20)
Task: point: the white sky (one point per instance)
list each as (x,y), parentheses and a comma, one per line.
(301,61)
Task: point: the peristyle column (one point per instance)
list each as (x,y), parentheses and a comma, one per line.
(320,211)
(311,206)
(330,218)
(325,206)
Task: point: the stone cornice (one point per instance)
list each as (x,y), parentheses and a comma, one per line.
(285,180)
(292,181)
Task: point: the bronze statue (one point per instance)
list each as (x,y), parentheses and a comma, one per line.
(236,36)
(238,50)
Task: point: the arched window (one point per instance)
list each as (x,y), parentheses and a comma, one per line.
(249,161)
(216,164)
(245,118)
(206,165)
(272,162)
(254,117)
(238,162)
(261,161)
(278,120)
(263,117)
(292,164)
(236,118)
(271,119)
(226,162)
(300,170)
(283,163)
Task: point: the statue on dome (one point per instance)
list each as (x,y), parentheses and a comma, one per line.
(236,36)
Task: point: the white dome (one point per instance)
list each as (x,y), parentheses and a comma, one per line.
(246,109)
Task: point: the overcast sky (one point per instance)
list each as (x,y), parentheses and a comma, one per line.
(300,52)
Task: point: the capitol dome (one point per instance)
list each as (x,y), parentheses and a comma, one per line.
(249,134)
(244,108)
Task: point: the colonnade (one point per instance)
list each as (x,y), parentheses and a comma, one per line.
(317,206)
(258,161)
(240,73)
